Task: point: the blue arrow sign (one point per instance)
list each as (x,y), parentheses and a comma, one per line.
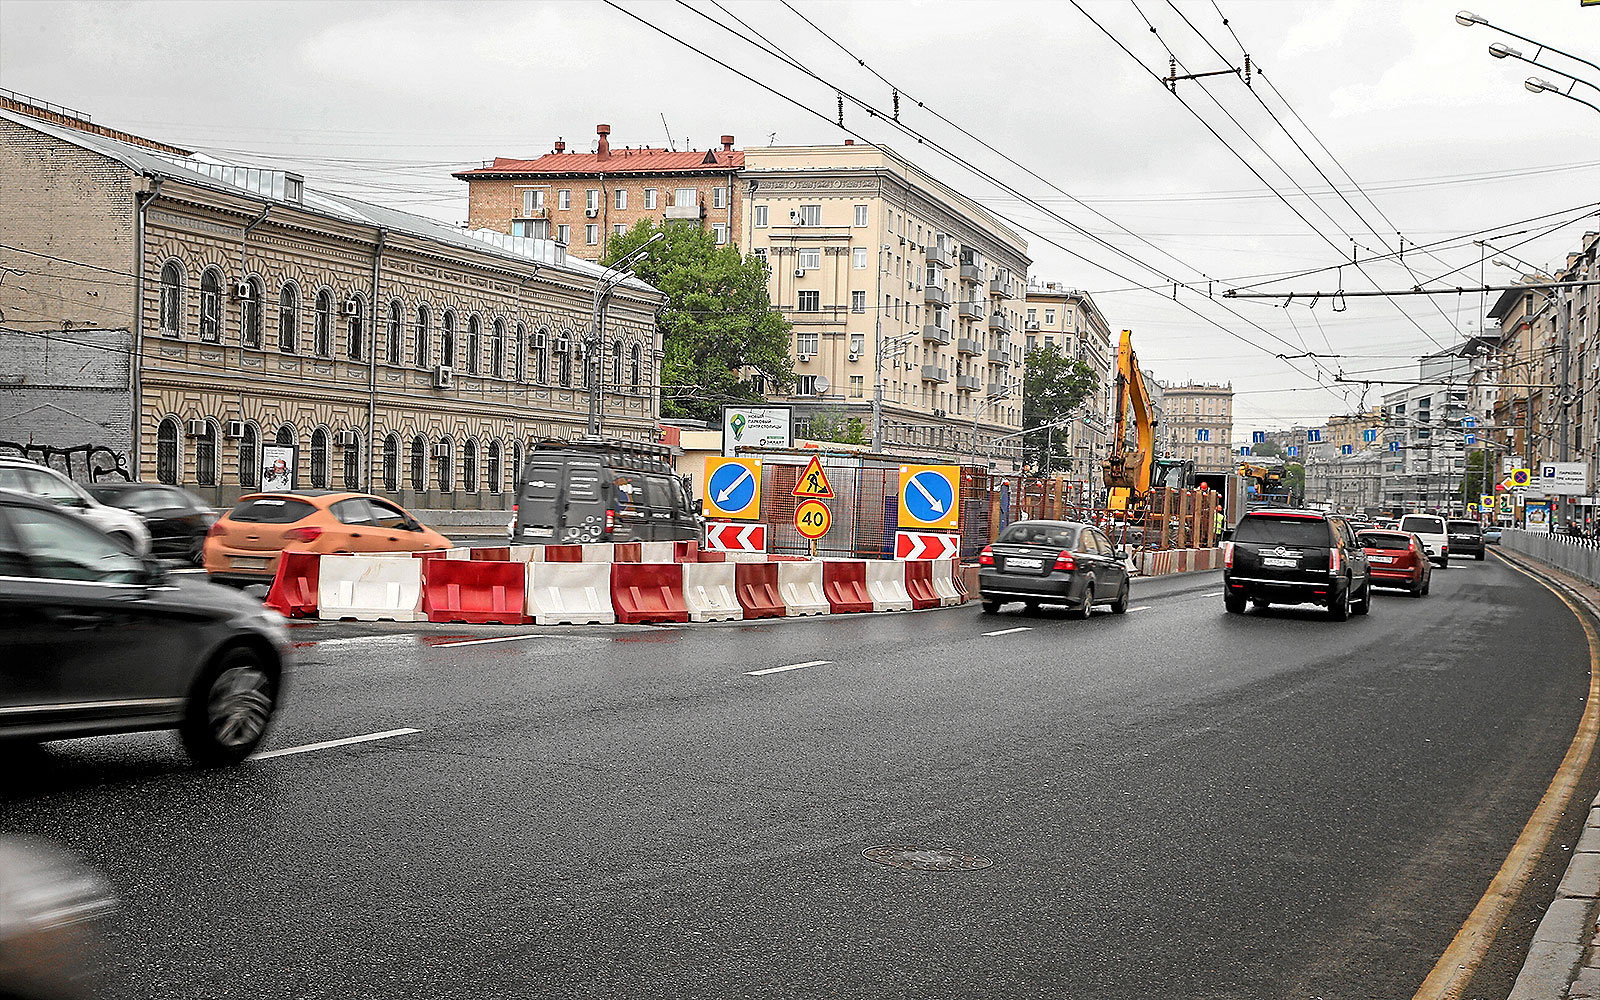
(1347,449)
(732,487)
(1394,445)
(928,497)
(1469,421)
(1472,439)
(1244,450)
(1369,435)
(1294,451)
(1258,437)
(1313,436)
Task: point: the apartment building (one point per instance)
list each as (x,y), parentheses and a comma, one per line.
(896,285)
(583,199)
(1200,416)
(1068,318)
(1424,433)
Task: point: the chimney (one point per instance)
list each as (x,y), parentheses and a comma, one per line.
(849,142)
(561,145)
(604,149)
(727,144)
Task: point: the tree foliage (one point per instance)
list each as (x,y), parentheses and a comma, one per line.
(718,328)
(1053,386)
(1266,449)
(834,425)
(1479,478)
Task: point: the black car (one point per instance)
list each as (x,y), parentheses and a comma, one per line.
(1466,538)
(1292,556)
(1053,562)
(95,640)
(178,520)
(600,490)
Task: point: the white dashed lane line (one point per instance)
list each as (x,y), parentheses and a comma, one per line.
(779,670)
(480,642)
(1217,594)
(1142,607)
(329,744)
(1010,631)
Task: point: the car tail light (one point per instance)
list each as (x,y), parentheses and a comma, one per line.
(986,557)
(1227,555)
(309,533)
(611,520)
(1444,548)
(514,507)
(216,530)
(1335,562)
(1065,563)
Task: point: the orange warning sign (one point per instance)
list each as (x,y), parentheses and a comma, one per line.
(813,482)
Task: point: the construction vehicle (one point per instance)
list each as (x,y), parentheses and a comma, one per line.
(1266,484)
(1131,473)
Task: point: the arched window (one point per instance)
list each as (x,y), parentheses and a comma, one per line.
(319,459)
(391,464)
(447,340)
(211,306)
(541,357)
(419,463)
(519,349)
(288,317)
(616,364)
(469,465)
(497,359)
(445,466)
(352,460)
(250,457)
(323,347)
(491,470)
(286,435)
(424,332)
(172,298)
(396,331)
(355,333)
(250,315)
(205,455)
(474,344)
(564,360)
(634,366)
(516,464)
(167,451)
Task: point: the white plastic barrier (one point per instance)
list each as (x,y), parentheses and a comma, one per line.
(800,586)
(570,593)
(527,553)
(886,585)
(656,552)
(747,557)
(370,588)
(459,552)
(709,594)
(944,582)
(599,552)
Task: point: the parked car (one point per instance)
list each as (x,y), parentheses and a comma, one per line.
(1466,538)
(1491,535)
(1292,556)
(1053,562)
(1435,536)
(178,520)
(24,476)
(1397,559)
(601,491)
(244,545)
(96,640)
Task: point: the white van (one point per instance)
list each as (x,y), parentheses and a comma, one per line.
(1435,536)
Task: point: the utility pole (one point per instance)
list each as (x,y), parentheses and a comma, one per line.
(594,352)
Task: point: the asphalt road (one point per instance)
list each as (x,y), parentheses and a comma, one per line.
(1175,802)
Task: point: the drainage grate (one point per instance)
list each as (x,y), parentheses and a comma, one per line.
(925,859)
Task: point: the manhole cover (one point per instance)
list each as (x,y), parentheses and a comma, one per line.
(925,859)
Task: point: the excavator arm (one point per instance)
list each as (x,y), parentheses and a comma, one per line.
(1127,471)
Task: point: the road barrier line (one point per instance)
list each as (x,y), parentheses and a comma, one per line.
(1010,631)
(329,744)
(779,670)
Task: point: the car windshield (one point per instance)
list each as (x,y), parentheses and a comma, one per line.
(1270,530)
(1464,527)
(270,510)
(1061,536)
(1384,540)
(1423,524)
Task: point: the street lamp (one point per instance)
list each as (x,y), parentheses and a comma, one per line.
(1499,50)
(1536,86)
(593,344)
(977,412)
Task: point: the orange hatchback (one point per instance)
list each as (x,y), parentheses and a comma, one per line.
(243,546)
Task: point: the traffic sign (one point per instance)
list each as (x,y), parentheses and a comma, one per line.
(1293,450)
(736,537)
(1471,439)
(1486,500)
(813,482)
(1472,508)
(1521,477)
(813,519)
(930,497)
(733,488)
(926,545)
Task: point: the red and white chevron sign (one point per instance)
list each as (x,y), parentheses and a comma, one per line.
(926,545)
(736,537)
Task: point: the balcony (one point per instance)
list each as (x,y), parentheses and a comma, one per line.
(970,310)
(968,383)
(998,357)
(933,373)
(696,211)
(1000,286)
(997,390)
(940,255)
(971,273)
(935,295)
(966,345)
(1033,326)
(936,334)
(999,323)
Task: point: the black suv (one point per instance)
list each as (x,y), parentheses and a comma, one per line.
(1284,556)
(1466,538)
(597,490)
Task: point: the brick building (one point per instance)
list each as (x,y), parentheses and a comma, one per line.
(396,353)
(582,199)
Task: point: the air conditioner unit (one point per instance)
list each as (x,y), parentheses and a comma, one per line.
(241,290)
(563,345)
(346,439)
(591,213)
(794,216)
(802,357)
(538,340)
(854,356)
(236,428)
(441,450)
(799,272)
(443,376)
(195,428)
(352,307)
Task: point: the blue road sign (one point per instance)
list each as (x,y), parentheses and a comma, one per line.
(1347,449)
(1258,437)
(1313,436)
(928,497)
(1472,439)
(1294,451)
(734,486)
(1369,435)
(1469,421)
(1394,445)
(1244,450)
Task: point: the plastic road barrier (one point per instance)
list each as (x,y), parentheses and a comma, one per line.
(945,572)
(370,588)
(294,590)
(600,552)
(563,553)
(500,553)
(886,584)
(526,553)
(800,585)
(919,584)
(708,592)
(707,556)
(756,585)
(475,592)
(656,552)
(630,552)
(646,593)
(570,593)
(455,553)
(844,584)
(684,552)
(746,557)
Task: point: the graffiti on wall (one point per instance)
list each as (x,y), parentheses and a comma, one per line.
(86,463)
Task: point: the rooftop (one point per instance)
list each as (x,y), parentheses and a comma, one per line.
(606,160)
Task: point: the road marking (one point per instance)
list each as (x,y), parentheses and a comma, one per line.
(1142,607)
(327,744)
(479,642)
(1461,960)
(1217,594)
(1009,631)
(779,670)
(351,640)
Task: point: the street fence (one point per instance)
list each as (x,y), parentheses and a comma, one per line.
(1578,556)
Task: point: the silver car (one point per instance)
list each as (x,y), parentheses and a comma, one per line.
(24,476)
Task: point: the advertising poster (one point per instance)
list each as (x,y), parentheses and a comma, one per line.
(1537,515)
(755,427)
(279,463)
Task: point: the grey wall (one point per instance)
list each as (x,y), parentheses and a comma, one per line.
(65,398)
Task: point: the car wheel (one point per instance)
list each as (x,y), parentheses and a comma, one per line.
(1030,607)
(1088,603)
(1419,588)
(1234,603)
(1339,605)
(1366,600)
(1479,557)
(1427,585)
(1444,563)
(991,607)
(229,709)
(1261,604)
(1120,605)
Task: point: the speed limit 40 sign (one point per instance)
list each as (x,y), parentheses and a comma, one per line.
(813,519)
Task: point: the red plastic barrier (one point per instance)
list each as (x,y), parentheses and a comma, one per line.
(563,553)
(756,585)
(476,592)
(919,584)
(708,556)
(685,551)
(647,593)
(627,552)
(294,589)
(775,558)
(492,554)
(844,584)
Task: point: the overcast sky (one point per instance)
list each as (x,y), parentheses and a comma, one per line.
(384,100)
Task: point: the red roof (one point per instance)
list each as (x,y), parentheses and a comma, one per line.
(621,161)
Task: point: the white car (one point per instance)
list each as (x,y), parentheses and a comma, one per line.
(22,476)
(1430,528)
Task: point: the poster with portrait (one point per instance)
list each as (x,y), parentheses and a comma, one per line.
(278,465)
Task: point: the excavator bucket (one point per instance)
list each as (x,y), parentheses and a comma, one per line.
(1121,469)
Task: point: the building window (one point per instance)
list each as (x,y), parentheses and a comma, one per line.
(497,348)
(211,306)
(167,451)
(761,216)
(591,234)
(205,455)
(858,301)
(445,466)
(806,343)
(650,199)
(719,197)
(469,465)
(1033,316)
(805,385)
(809,215)
(322,344)
(861,216)
(858,257)
(424,334)
(617,229)
(684,198)
(760,253)
(590,366)
(810,302)
(564,233)
(720,232)
(447,339)
(541,359)
(172,298)
(591,199)
(391,464)
(250,315)
(419,464)
(858,344)
(621,198)
(858,386)
(808,260)
(564,362)
(396,331)
(288,318)
(319,459)
(564,199)
(634,366)
(250,457)
(354,334)
(1049,315)
(532,201)
(616,364)
(352,462)
(474,344)
(491,470)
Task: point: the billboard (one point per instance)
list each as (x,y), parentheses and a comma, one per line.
(1564,479)
(755,427)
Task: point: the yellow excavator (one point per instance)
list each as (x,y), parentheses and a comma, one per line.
(1131,473)
(1268,485)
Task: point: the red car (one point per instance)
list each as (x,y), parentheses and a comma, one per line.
(1397,559)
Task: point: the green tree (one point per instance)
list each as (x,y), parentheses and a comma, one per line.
(1053,385)
(719,332)
(1294,481)
(833,425)
(1475,480)
(1266,449)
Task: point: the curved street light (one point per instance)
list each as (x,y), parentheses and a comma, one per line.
(1536,85)
(1500,50)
